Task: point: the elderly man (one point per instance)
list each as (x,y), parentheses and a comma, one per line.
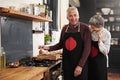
(97,66)
(75,41)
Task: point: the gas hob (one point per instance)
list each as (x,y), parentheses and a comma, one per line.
(37,63)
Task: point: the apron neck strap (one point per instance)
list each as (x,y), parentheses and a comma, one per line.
(69,26)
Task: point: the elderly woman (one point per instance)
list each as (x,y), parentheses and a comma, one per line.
(100,46)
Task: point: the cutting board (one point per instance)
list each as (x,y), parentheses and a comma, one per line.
(49,56)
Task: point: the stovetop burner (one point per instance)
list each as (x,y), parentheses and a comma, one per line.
(35,62)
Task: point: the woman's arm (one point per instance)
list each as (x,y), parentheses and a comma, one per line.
(104,46)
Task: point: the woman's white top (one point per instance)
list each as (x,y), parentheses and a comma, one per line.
(104,43)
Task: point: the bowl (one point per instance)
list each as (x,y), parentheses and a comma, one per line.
(118,19)
(13,65)
(111,19)
(105,11)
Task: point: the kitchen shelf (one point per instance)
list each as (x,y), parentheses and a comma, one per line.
(116,47)
(22,15)
(106,1)
(37,31)
(115,22)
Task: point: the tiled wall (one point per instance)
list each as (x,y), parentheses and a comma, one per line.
(16,38)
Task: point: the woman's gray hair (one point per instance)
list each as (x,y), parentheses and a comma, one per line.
(97,20)
(72,9)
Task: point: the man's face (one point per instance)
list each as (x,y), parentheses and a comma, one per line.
(73,17)
(95,28)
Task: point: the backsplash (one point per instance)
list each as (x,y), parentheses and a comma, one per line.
(16,38)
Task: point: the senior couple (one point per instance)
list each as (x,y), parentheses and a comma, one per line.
(85,48)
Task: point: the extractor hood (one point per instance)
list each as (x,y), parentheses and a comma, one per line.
(75,3)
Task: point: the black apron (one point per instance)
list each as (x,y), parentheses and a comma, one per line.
(97,61)
(72,52)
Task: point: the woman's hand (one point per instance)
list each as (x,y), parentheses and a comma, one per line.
(99,36)
(78,71)
(44,47)
(90,28)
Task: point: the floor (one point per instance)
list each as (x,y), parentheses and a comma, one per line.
(113,76)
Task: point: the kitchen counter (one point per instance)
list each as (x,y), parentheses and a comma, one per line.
(23,73)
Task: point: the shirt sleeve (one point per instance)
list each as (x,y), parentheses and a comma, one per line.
(87,46)
(59,44)
(104,46)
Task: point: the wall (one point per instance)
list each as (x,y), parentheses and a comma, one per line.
(64,4)
(18,3)
(38,38)
(87,10)
(62,20)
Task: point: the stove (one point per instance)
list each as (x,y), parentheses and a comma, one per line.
(37,62)
(54,66)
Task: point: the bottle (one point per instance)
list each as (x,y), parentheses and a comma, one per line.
(108,28)
(4,59)
(113,28)
(41,9)
(50,14)
(36,10)
(0,60)
(44,1)
(46,10)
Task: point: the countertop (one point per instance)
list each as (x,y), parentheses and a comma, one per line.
(23,73)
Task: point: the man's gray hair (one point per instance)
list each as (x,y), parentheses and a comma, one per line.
(97,20)
(72,9)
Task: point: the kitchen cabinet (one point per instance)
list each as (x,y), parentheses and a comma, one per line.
(54,71)
(112,23)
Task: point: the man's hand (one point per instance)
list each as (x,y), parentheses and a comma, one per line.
(78,71)
(43,47)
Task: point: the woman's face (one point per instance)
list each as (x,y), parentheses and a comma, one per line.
(73,17)
(94,28)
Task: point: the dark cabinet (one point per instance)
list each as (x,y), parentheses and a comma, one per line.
(112,23)
(114,57)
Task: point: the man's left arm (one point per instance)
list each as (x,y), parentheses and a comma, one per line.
(87,47)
